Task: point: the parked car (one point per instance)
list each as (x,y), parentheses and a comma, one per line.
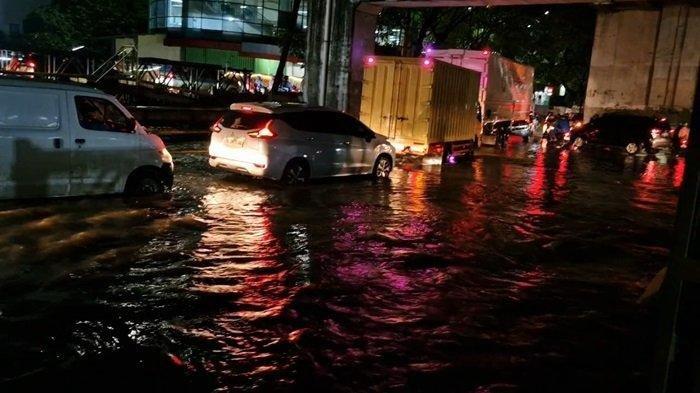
(62,140)
(294,143)
(634,133)
(522,129)
(491,129)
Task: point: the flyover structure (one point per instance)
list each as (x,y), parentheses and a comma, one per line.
(645,54)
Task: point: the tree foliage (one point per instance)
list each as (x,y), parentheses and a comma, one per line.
(558,43)
(67,23)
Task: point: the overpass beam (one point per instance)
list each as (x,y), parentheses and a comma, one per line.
(645,60)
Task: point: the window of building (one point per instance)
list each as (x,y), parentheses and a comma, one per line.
(29,110)
(98,114)
(232,17)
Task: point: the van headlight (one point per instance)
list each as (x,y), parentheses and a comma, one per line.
(165,156)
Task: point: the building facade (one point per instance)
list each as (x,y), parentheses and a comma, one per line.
(238,34)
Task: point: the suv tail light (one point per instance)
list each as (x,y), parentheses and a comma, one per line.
(216,127)
(264,133)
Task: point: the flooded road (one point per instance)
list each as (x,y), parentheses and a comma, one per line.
(516,272)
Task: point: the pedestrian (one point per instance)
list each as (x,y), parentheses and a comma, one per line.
(259,85)
(285,86)
(683,134)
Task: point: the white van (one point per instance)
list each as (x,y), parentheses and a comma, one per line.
(62,140)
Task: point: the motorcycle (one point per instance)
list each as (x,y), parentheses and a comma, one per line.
(554,135)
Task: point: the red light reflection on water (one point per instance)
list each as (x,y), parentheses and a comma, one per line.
(537,186)
(239,252)
(679,173)
(561,176)
(547,185)
(651,186)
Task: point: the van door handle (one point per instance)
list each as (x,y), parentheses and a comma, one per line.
(57,143)
(80,141)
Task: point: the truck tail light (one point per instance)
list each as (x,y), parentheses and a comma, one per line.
(264,133)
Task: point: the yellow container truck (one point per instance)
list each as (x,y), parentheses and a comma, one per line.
(423,106)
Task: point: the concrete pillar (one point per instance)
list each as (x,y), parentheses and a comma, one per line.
(335,52)
(645,60)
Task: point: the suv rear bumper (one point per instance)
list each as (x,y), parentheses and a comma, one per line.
(242,167)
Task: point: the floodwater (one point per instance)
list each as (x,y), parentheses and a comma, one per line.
(516,272)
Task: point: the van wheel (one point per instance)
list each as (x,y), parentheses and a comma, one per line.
(296,172)
(382,168)
(145,183)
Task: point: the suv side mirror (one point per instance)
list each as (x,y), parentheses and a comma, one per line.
(369,135)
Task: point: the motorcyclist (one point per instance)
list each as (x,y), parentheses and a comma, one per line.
(562,126)
(501,136)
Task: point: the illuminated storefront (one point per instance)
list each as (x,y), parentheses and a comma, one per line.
(229,33)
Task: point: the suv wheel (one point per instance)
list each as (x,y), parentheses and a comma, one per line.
(296,172)
(382,168)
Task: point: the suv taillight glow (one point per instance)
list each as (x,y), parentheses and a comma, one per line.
(264,133)
(216,127)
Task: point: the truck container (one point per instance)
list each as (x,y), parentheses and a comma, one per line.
(421,105)
(506,86)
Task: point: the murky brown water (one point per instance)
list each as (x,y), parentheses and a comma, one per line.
(510,273)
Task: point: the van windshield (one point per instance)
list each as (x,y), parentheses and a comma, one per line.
(245,120)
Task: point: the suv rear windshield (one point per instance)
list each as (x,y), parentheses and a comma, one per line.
(244,120)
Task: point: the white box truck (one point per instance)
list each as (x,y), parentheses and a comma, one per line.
(506,87)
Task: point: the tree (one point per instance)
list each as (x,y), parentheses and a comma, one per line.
(66,23)
(557,41)
(288,41)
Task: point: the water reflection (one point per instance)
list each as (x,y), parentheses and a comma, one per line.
(501,272)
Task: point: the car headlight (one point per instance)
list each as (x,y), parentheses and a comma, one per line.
(165,156)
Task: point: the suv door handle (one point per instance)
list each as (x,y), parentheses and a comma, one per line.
(57,143)
(80,141)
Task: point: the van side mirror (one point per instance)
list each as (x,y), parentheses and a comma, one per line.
(131,124)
